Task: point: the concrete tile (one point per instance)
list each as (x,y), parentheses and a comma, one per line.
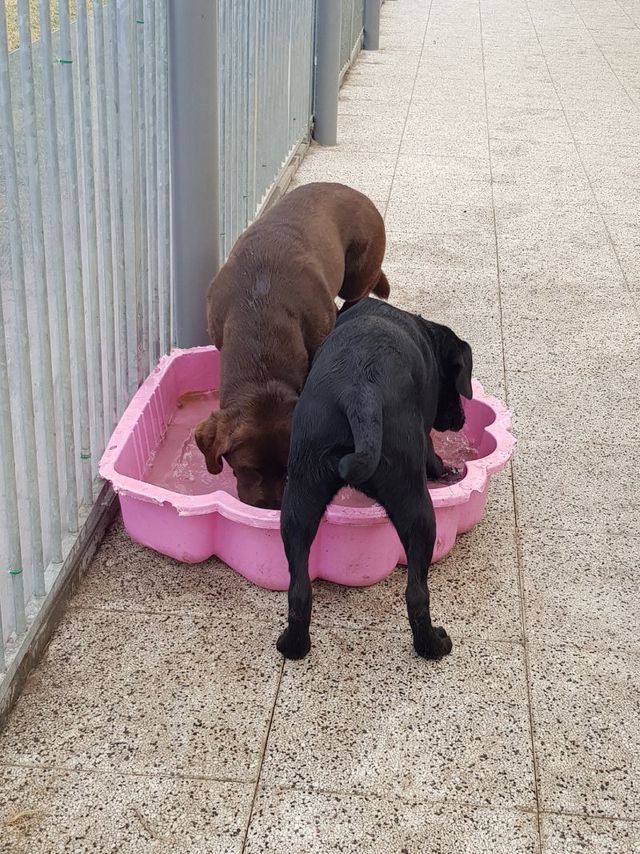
(450,78)
(625,233)
(568,39)
(441,270)
(581,590)
(544,390)
(513,201)
(550,218)
(355,823)
(458,181)
(50,811)
(604,125)
(517,162)
(585,711)
(457,135)
(476,585)
(148,694)
(368,135)
(125,576)
(581,262)
(391,112)
(521,39)
(572,834)
(363,714)
(577,488)
(371,175)
(444,102)
(615,176)
(422,220)
(533,124)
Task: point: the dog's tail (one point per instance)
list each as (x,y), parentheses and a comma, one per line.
(381,288)
(364,413)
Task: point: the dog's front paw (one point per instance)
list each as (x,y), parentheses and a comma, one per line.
(435,467)
(293,644)
(450,474)
(435,644)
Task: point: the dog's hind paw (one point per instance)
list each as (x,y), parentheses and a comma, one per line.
(293,644)
(436,644)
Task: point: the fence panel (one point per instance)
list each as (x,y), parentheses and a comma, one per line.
(265,55)
(351,32)
(84,266)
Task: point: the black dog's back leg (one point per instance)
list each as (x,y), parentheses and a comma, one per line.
(405,498)
(435,466)
(302,508)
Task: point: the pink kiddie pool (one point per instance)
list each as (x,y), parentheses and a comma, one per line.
(172,504)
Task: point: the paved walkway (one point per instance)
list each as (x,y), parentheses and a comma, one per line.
(502,141)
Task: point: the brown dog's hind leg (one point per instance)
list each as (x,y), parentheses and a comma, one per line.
(362,273)
(381,288)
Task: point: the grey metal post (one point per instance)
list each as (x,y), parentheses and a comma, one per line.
(328,24)
(371,25)
(193,93)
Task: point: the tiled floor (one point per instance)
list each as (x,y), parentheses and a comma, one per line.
(502,140)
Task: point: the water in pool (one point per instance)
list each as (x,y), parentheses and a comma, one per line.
(179,466)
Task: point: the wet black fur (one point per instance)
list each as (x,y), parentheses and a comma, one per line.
(378,385)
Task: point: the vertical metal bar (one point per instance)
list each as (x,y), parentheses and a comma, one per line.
(147,243)
(151,167)
(42,377)
(234,78)
(164,277)
(327,71)
(226,169)
(117,217)
(255,110)
(193,41)
(371,25)
(8,474)
(91,293)
(74,257)
(128,91)
(104,197)
(222,129)
(20,379)
(3,662)
(57,277)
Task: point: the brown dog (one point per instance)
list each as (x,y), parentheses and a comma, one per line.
(269,308)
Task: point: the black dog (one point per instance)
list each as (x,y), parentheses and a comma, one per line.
(378,385)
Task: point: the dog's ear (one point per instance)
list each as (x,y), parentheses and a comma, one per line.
(462,363)
(213,437)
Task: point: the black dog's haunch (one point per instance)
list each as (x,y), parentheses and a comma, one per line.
(378,385)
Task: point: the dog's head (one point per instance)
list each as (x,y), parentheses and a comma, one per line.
(254,439)
(455,365)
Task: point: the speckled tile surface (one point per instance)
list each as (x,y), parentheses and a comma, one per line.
(363,713)
(307,823)
(54,811)
(501,141)
(586,708)
(160,584)
(570,834)
(153,692)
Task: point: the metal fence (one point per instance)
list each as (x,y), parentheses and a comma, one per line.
(84,265)
(351,32)
(265,73)
(86,243)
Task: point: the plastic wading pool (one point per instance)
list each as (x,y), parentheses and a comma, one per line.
(170,502)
